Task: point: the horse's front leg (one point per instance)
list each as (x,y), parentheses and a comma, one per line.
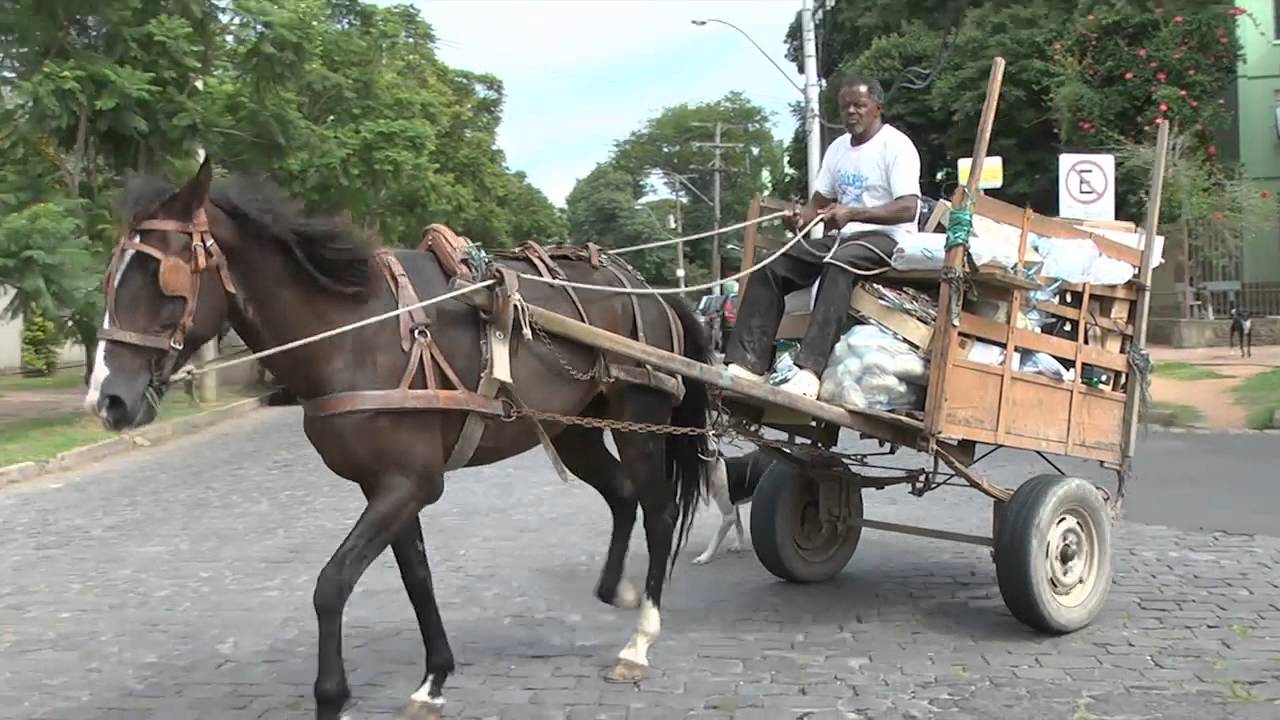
(411,555)
(392,501)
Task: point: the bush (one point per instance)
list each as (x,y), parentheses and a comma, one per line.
(40,342)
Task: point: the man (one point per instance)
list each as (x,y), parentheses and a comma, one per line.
(868,194)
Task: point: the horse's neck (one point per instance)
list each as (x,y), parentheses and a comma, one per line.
(276,305)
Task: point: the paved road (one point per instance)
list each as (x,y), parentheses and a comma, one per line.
(176,583)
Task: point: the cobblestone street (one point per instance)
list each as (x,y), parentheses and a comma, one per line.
(175,583)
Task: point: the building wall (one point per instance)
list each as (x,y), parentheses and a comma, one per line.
(11,341)
(1258,97)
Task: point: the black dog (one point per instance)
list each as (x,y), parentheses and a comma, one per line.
(1242,325)
(731,482)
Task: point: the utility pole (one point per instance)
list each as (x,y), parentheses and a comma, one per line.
(208,382)
(717,167)
(679,233)
(813,128)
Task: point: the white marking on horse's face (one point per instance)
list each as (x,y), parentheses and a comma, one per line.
(423,694)
(637,649)
(100,369)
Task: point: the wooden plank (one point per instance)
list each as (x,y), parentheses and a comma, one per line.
(940,212)
(1076,383)
(869,307)
(1008,214)
(1097,422)
(1011,324)
(945,341)
(750,237)
(974,402)
(892,428)
(1119,225)
(1123,292)
(1035,411)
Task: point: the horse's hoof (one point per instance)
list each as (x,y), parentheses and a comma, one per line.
(421,711)
(625,672)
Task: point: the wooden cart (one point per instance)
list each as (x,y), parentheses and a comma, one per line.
(1050,536)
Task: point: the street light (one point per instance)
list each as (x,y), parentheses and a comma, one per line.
(702,23)
(671,223)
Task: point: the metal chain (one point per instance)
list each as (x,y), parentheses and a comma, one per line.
(587,376)
(514,413)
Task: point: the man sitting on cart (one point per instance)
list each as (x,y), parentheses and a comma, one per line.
(868,194)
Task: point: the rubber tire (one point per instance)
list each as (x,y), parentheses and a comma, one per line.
(1021,569)
(775,509)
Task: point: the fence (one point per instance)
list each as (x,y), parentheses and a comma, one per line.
(1202,280)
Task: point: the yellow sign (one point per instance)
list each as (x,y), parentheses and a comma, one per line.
(992,172)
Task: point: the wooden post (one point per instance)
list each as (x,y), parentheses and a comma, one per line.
(750,239)
(1142,304)
(945,336)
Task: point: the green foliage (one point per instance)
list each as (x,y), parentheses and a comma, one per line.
(45,259)
(601,207)
(39,344)
(1078,78)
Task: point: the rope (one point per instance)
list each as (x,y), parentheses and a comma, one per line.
(960,224)
(699,236)
(339,330)
(676,290)
(185,374)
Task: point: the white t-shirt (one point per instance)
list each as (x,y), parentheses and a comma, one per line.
(886,167)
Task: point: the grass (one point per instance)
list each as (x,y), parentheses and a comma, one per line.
(38,439)
(1186,371)
(63,380)
(1175,414)
(1261,395)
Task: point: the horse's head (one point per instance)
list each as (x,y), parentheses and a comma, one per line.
(166,295)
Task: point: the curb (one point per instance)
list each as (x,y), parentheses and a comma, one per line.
(125,442)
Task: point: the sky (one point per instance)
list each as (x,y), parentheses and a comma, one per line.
(580,74)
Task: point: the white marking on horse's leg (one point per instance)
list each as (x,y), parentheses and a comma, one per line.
(637,649)
(741,543)
(626,596)
(423,694)
(100,370)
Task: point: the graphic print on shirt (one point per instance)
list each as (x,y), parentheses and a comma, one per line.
(851,185)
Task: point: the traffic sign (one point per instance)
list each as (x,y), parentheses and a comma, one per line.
(1087,186)
(992,171)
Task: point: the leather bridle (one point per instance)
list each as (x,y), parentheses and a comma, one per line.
(178,277)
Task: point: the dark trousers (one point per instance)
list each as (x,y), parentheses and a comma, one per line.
(760,311)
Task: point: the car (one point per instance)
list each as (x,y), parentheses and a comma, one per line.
(718,314)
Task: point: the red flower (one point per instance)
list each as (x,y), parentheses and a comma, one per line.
(1223,39)
(1161,76)
(1164,107)
(1193,103)
(1183,93)
(1265,194)
(1093,17)
(1217,217)
(1142,52)
(1212,150)
(1153,63)
(1128,76)
(1192,71)
(1177,18)
(1159,121)
(1057,46)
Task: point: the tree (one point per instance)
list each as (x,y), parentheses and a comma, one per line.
(602,209)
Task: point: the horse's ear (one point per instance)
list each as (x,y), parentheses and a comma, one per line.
(194,194)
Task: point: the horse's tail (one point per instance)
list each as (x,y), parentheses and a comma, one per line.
(685,453)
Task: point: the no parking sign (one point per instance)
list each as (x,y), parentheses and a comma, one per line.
(1087,186)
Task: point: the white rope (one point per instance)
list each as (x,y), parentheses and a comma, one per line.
(699,236)
(215,366)
(336,331)
(676,290)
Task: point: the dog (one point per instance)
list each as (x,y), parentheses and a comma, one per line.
(731,481)
(1242,325)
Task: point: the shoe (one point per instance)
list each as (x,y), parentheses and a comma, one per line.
(742,373)
(804,383)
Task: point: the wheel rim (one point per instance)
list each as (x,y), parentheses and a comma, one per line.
(814,540)
(1071,555)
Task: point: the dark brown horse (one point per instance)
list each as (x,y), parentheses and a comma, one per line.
(192,258)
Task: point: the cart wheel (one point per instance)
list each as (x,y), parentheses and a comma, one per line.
(787,531)
(1053,554)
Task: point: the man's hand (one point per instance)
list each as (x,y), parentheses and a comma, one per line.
(838,215)
(796,218)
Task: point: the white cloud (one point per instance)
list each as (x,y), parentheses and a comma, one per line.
(580,75)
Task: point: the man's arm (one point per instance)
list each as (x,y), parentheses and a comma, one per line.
(899,210)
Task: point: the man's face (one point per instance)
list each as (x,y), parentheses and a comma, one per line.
(860,108)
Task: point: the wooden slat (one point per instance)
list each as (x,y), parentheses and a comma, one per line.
(1124,292)
(750,240)
(1074,406)
(914,331)
(1053,227)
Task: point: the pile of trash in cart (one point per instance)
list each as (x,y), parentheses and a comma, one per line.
(873,367)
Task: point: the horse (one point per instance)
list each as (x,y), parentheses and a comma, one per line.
(242,250)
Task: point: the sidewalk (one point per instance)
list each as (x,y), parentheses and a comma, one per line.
(1207,386)
(1266,356)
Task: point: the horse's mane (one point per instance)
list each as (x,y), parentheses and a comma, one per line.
(328,248)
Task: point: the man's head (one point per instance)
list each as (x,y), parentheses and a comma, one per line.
(860,101)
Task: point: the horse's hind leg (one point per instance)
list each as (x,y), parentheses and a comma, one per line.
(585,455)
(411,556)
(644,457)
(391,503)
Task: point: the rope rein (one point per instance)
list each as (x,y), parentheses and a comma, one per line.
(190,372)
